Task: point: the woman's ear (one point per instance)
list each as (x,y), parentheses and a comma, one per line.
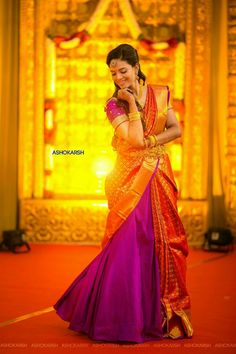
(136,68)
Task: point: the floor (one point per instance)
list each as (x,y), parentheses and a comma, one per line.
(31,283)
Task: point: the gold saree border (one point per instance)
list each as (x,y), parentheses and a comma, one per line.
(176,331)
(120,212)
(118,120)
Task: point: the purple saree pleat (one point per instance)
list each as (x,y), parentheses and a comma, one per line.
(117,296)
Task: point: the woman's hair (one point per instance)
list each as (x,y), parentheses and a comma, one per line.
(126,53)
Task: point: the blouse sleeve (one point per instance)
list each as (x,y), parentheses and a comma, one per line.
(115,113)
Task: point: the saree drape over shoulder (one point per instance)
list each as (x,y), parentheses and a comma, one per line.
(135,289)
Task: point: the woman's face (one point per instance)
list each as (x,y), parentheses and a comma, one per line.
(123,74)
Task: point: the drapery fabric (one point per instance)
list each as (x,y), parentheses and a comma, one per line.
(218,99)
(9,68)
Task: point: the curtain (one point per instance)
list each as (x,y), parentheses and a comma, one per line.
(218,117)
(9,58)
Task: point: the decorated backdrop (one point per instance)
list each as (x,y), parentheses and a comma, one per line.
(64,150)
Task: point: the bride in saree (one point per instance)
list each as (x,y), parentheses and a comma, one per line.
(134,290)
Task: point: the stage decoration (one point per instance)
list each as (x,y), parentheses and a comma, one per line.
(130,19)
(83,221)
(179,76)
(167,48)
(230,200)
(194,178)
(64,83)
(77,39)
(49,118)
(49,135)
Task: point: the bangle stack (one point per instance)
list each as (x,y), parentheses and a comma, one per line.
(151,141)
(134,116)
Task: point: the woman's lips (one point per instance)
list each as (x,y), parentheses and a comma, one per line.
(121,83)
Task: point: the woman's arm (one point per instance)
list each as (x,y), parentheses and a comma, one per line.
(172,131)
(131,131)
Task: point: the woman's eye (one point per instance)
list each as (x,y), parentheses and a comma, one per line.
(123,72)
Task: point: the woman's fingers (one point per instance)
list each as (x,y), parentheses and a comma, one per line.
(125,94)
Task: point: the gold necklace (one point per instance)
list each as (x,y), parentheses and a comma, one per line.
(140,92)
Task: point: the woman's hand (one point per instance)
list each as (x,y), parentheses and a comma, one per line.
(126,95)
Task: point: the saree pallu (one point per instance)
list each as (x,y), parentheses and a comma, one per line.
(135,289)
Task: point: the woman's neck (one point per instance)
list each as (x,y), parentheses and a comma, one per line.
(136,89)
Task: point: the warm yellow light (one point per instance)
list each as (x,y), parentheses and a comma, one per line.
(73,43)
(50,77)
(179,71)
(102,166)
(100,204)
(48,183)
(49,162)
(160,45)
(175,152)
(49,119)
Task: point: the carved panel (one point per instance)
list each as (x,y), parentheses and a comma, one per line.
(231,122)
(84,221)
(196,129)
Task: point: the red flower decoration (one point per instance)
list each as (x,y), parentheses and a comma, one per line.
(149,45)
(173,42)
(82,37)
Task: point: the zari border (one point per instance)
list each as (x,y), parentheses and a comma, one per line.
(120,212)
(118,120)
(176,332)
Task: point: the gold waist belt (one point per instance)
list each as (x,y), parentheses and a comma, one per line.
(147,153)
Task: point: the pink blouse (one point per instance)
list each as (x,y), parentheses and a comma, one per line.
(115,113)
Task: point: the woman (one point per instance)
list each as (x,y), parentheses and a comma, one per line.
(135,289)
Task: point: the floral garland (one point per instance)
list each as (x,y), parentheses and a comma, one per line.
(75,40)
(167,47)
(79,38)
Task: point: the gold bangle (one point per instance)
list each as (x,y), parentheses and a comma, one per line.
(152,140)
(156,140)
(134,116)
(149,141)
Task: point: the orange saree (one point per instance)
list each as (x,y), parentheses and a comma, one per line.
(125,185)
